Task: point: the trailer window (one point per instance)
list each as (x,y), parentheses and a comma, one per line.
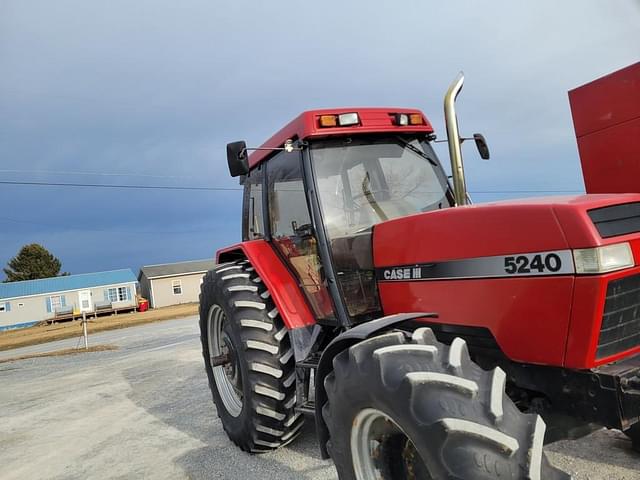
(117,294)
(56,302)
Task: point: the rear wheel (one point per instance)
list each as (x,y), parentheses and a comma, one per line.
(634,434)
(248,358)
(401,407)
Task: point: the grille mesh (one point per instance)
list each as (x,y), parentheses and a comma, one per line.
(620,328)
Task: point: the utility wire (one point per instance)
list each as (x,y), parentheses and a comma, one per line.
(224,189)
(100,174)
(106,230)
(134,187)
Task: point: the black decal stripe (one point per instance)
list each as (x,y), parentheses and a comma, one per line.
(481,267)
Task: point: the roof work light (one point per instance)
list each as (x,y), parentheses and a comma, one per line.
(346,119)
(342,120)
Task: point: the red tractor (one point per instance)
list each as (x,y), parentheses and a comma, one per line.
(429,338)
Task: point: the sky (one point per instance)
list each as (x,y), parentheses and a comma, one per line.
(149,93)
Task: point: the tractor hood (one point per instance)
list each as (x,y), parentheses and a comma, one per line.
(528,226)
(509,268)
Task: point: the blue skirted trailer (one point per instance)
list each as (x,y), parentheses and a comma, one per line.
(29,302)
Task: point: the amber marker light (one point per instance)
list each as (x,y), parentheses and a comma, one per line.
(416,119)
(328,120)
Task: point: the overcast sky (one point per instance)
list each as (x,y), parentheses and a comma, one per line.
(153,90)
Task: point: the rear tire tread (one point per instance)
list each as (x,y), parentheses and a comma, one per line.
(270,420)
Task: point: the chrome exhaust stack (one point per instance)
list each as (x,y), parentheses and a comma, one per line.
(454,140)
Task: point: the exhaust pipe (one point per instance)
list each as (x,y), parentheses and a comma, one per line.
(453,139)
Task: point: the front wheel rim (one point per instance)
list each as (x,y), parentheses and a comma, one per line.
(228,378)
(381,450)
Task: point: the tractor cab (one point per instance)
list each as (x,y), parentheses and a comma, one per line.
(318,195)
(316,189)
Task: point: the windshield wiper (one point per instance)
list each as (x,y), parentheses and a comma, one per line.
(415,149)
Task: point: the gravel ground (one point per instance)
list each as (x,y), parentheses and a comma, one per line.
(144,411)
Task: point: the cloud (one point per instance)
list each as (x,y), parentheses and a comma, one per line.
(156,87)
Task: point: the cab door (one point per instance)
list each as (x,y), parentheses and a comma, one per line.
(291,229)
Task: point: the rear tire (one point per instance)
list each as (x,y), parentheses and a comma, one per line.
(254,394)
(634,434)
(402,407)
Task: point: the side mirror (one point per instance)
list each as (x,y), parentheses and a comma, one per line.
(237,158)
(481,145)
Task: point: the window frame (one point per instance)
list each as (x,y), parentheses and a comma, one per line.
(259,170)
(268,219)
(174,284)
(122,293)
(269,234)
(3,307)
(53,305)
(117,297)
(324,252)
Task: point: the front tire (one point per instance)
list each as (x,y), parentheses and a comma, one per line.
(412,407)
(254,391)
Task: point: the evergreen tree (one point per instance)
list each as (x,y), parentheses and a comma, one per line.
(33,261)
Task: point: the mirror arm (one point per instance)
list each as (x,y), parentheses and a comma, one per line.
(462,139)
(288,147)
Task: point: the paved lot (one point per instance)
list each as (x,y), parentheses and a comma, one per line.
(144,411)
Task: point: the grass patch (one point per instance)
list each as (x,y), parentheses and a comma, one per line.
(59,353)
(23,337)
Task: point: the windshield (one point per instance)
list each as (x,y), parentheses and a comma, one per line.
(367,181)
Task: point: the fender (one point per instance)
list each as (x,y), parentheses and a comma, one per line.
(282,285)
(342,342)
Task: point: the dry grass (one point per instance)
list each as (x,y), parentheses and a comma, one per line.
(58,353)
(47,333)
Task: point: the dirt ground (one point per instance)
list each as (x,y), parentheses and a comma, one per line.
(144,411)
(59,353)
(47,333)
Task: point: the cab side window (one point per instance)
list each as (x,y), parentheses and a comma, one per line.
(291,228)
(253,197)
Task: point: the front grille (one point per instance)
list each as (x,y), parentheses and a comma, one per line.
(620,328)
(617,219)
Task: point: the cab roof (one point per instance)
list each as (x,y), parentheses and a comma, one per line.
(307,125)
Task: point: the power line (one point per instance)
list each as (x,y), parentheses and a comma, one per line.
(105,230)
(224,189)
(101,174)
(133,187)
